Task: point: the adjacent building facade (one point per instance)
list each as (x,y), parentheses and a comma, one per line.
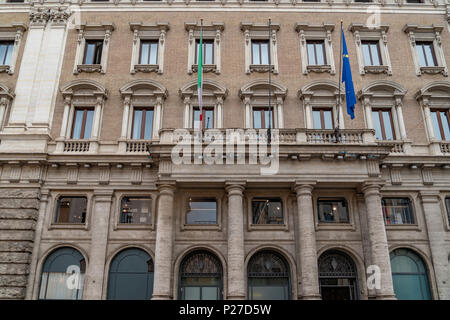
(96,203)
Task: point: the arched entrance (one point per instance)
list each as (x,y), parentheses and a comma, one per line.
(268,277)
(200,277)
(409,276)
(131,276)
(337,276)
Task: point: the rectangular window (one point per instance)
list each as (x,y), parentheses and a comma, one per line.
(397,211)
(260,52)
(149,52)
(371,53)
(136,210)
(425,52)
(323,118)
(267,211)
(93,52)
(6,49)
(441,123)
(333,211)
(316,52)
(202,211)
(71,210)
(262,117)
(142,127)
(82,123)
(447,205)
(383,124)
(207,53)
(207,118)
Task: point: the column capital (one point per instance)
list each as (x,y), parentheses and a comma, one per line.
(304,187)
(429,196)
(370,187)
(103,195)
(166,187)
(235,187)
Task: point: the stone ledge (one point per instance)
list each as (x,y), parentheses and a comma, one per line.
(19,203)
(23,214)
(14,268)
(12,293)
(14,257)
(13,280)
(16,224)
(18,246)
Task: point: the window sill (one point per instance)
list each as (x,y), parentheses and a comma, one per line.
(201,227)
(319,68)
(261,68)
(5,68)
(376,69)
(433,70)
(337,226)
(206,68)
(89,68)
(147,68)
(134,226)
(402,227)
(268,227)
(66,226)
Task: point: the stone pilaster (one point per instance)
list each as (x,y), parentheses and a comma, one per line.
(307,241)
(236,252)
(436,236)
(99,240)
(377,238)
(162,289)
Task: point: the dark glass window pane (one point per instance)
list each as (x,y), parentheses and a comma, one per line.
(136,210)
(208,51)
(441,124)
(202,211)
(71,210)
(208,118)
(377,125)
(445,124)
(6,49)
(447,205)
(267,211)
(397,211)
(137,124)
(77,124)
(383,125)
(387,125)
(262,117)
(93,52)
(142,124)
(333,210)
(82,123)
(88,124)
(323,119)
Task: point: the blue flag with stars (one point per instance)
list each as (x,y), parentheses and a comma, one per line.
(350,97)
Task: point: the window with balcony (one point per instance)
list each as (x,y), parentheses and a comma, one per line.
(441,123)
(136,210)
(267,211)
(397,211)
(6,50)
(332,211)
(142,126)
(82,123)
(207,118)
(426,48)
(262,118)
(71,210)
(383,124)
(316,52)
(202,211)
(323,118)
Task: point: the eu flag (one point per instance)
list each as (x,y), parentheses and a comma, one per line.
(350,97)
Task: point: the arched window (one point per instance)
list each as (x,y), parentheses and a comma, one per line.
(63,275)
(337,276)
(200,277)
(409,276)
(268,277)
(131,276)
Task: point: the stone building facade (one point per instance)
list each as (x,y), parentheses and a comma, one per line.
(49,78)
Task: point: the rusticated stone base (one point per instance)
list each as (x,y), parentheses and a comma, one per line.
(18,215)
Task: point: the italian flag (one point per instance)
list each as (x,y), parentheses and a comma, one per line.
(200,76)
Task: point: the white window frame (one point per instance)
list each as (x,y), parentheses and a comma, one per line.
(322,32)
(362,33)
(432,34)
(152,31)
(260,31)
(212,31)
(6,98)
(13,32)
(92,31)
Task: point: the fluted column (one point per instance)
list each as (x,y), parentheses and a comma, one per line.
(99,242)
(378,240)
(164,243)
(307,241)
(438,246)
(236,252)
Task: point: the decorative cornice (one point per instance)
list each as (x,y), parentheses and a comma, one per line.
(140,26)
(301,26)
(422,28)
(364,28)
(250,26)
(213,26)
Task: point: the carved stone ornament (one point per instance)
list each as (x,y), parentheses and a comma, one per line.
(376,69)
(89,68)
(146,68)
(319,69)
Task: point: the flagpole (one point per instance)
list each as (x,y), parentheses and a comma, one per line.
(270,93)
(339,85)
(200,70)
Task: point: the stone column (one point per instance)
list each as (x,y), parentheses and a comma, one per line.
(236,252)
(437,235)
(307,241)
(162,289)
(99,241)
(378,240)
